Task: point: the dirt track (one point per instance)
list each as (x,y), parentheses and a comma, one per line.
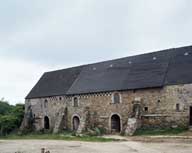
(54,146)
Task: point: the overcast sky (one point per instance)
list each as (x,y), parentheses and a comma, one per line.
(43,35)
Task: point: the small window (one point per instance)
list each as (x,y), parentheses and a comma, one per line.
(146,109)
(116,98)
(45,103)
(75,102)
(177,107)
(60,98)
(186,54)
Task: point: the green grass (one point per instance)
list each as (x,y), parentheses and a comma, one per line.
(155,132)
(66,137)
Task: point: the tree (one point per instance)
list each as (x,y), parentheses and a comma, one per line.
(5,108)
(10,117)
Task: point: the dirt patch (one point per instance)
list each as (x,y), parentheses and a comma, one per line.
(160,140)
(54,146)
(188,133)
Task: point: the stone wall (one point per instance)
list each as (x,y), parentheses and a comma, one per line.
(41,108)
(157,108)
(166,113)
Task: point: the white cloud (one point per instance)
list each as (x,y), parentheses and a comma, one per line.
(82,25)
(73,32)
(16,78)
(19,76)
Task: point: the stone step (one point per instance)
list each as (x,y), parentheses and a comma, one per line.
(132,125)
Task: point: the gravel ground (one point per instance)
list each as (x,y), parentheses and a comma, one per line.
(56,146)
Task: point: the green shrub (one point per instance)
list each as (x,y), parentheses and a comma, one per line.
(95,132)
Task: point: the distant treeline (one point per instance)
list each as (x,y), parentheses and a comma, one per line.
(10,117)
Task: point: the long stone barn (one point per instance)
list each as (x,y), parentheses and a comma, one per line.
(151,90)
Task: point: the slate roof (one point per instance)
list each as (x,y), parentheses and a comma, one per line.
(157,69)
(55,83)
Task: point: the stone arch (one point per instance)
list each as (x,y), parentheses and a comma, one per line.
(115,123)
(75,122)
(46,122)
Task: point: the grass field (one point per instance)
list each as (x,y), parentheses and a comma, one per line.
(165,131)
(58,137)
(68,136)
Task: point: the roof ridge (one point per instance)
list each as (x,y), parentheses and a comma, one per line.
(84,65)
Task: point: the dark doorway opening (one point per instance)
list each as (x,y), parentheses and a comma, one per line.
(190,116)
(46,122)
(76,123)
(115,123)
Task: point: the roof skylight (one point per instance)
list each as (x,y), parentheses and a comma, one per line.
(186,54)
(154,58)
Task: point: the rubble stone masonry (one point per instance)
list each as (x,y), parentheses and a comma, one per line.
(158,107)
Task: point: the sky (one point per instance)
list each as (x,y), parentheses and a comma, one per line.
(37,36)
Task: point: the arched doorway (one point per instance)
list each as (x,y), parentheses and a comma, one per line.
(76,123)
(115,123)
(46,122)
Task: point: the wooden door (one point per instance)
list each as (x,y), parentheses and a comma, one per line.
(76,123)
(115,123)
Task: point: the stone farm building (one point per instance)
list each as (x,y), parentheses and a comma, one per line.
(150,91)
